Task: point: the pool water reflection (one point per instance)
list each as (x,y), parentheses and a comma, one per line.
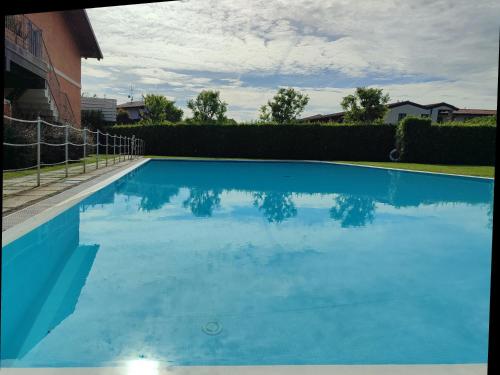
(286,263)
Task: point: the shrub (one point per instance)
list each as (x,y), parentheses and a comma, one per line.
(478,121)
(299,141)
(420,141)
(122,116)
(23,157)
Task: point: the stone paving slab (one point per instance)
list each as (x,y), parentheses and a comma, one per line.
(21,192)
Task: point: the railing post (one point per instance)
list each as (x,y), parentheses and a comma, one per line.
(107,149)
(133,147)
(84,147)
(97,152)
(120,150)
(114,146)
(38,153)
(66,146)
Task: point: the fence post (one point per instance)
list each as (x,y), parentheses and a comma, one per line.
(97,152)
(84,147)
(114,146)
(38,154)
(66,136)
(133,147)
(120,150)
(107,149)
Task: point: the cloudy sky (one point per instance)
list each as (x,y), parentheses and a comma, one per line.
(420,50)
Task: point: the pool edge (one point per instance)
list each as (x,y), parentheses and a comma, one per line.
(16,231)
(445,369)
(187,158)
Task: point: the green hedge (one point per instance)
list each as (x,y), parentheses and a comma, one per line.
(419,141)
(315,142)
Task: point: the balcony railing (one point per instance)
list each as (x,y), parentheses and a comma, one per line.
(22,32)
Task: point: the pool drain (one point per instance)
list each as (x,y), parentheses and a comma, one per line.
(212,328)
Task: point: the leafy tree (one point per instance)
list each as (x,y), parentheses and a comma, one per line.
(158,109)
(367,105)
(122,117)
(286,106)
(208,107)
(92,119)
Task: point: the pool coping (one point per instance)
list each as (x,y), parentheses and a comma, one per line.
(455,369)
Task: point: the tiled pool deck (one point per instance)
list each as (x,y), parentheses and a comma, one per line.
(30,209)
(21,192)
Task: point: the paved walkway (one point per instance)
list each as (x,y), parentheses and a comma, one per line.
(21,192)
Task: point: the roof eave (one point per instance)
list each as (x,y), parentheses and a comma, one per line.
(89,46)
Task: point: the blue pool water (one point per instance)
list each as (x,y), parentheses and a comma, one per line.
(251,263)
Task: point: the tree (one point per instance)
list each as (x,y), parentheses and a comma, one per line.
(158,109)
(286,106)
(208,107)
(122,116)
(92,119)
(365,106)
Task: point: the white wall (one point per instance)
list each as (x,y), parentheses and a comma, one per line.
(436,110)
(392,114)
(133,113)
(106,106)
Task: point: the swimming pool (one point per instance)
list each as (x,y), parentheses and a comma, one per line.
(255,263)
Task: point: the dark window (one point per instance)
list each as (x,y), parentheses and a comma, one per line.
(424,115)
(401,116)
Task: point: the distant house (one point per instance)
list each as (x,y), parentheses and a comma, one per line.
(106,106)
(438,112)
(134,109)
(43,54)
(466,114)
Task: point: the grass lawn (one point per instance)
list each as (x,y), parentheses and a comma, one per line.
(89,160)
(469,170)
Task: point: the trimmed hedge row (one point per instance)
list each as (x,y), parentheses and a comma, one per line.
(315,142)
(419,141)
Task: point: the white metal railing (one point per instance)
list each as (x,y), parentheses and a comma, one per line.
(124,148)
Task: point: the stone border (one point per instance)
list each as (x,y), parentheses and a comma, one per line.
(154,368)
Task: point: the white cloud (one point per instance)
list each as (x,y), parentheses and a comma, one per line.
(452,43)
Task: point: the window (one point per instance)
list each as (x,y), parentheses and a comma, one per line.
(424,115)
(401,116)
